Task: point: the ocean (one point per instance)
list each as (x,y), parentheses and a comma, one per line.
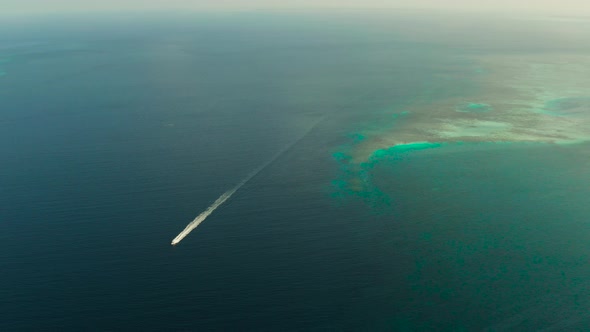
(117,130)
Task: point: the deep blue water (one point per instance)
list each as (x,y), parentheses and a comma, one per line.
(116,132)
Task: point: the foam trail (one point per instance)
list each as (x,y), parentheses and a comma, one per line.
(218,202)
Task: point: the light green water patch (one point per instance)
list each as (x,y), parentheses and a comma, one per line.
(567,106)
(403,151)
(2,73)
(572,142)
(395,151)
(473,108)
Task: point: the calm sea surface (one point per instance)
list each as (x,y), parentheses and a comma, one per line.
(115,132)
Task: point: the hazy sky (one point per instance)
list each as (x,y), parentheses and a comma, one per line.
(557,6)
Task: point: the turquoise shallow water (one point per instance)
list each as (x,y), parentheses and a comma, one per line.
(473,107)
(116,132)
(506,226)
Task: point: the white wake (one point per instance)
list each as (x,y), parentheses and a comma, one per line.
(218,202)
